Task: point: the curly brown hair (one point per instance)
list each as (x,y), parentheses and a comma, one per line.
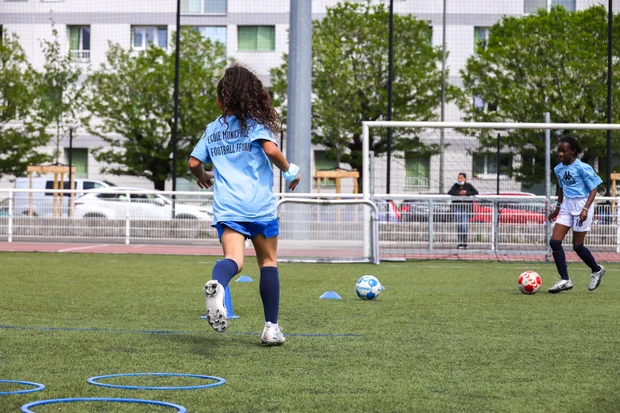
(242,94)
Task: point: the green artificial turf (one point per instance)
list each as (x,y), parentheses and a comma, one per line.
(443,336)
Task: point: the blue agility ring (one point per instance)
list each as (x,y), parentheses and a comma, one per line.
(220,381)
(26,407)
(38,387)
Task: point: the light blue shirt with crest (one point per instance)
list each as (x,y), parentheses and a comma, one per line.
(243,182)
(577,179)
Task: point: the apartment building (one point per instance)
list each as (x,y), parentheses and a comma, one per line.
(256,33)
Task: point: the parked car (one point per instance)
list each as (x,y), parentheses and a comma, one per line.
(510,212)
(4,207)
(603,213)
(113,203)
(43,202)
(481,211)
(417,210)
(388,212)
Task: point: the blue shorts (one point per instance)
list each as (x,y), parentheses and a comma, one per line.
(250,229)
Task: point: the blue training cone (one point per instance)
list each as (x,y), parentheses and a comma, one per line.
(244,279)
(228,304)
(330,295)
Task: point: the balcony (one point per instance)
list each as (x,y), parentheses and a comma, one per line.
(80,55)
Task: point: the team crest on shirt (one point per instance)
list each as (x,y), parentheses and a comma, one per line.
(568,179)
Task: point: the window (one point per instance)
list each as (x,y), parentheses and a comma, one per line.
(485,164)
(213,33)
(91,185)
(79,160)
(323,163)
(79,42)
(256,38)
(417,170)
(532,6)
(428,34)
(481,35)
(143,37)
(567,4)
(204,6)
(60,186)
(112,197)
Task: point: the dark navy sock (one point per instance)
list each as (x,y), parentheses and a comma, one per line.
(270,292)
(560,258)
(560,263)
(224,271)
(586,257)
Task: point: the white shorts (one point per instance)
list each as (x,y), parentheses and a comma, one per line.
(569,214)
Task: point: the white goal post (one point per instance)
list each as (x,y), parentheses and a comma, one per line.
(328,230)
(465,149)
(366,125)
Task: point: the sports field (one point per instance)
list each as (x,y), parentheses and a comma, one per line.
(443,336)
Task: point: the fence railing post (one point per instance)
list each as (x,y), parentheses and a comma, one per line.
(127,223)
(617,226)
(495,230)
(10,228)
(431,223)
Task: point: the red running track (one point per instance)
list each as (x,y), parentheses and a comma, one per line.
(215,250)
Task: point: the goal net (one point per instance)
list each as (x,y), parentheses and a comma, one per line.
(328,230)
(510,166)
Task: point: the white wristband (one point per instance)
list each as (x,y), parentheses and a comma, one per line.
(292,172)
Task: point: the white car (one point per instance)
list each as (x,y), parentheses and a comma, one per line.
(114,203)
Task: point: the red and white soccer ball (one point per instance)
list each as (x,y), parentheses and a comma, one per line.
(529,282)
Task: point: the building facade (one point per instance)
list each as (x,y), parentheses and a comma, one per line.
(256,33)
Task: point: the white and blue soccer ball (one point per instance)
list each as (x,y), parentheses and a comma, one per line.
(368,287)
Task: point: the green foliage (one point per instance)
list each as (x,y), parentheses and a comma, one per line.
(132,106)
(350,79)
(61,91)
(21,131)
(553,62)
(444,336)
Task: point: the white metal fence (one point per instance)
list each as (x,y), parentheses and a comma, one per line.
(405,225)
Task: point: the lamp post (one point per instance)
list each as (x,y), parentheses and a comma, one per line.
(389,85)
(610,18)
(175,123)
(443,100)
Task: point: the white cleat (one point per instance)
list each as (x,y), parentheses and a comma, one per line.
(216,310)
(595,278)
(561,285)
(272,335)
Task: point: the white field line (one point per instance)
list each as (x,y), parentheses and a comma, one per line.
(82,248)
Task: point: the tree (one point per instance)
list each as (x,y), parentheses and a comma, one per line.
(131,104)
(21,131)
(61,90)
(350,79)
(553,62)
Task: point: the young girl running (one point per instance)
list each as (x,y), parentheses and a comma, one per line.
(240,144)
(574,210)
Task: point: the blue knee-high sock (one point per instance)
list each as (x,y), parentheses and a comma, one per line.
(559,257)
(586,257)
(224,271)
(270,292)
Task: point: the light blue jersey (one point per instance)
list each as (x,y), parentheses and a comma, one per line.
(577,179)
(243,183)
